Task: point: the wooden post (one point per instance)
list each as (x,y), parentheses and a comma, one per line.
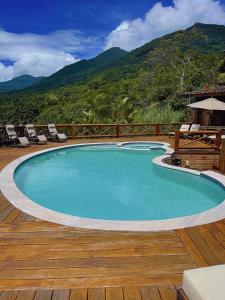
(157,129)
(177,138)
(218,140)
(73,131)
(117,130)
(222,157)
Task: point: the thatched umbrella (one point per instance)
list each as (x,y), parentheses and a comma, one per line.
(204,111)
(209,104)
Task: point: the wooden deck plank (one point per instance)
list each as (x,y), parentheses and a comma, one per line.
(114,293)
(167,292)
(59,283)
(191,248)
(94,272)
(4,214)
(200,243)
(150,293)
(96,294)
(79,294)
(60,294)
(9,295)
(132,293)
(12,216)
(95,262)
(216,233)
(26,295)
(216,247)
(43,295)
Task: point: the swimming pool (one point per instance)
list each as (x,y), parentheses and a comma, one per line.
(118,183)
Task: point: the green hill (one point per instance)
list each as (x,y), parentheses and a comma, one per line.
(80,71)
(144,85)
(18,83)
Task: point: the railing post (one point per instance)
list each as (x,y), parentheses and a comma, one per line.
(222,158)
(177,138)
(218,140)
(157,129)
(117,130)
(73,131)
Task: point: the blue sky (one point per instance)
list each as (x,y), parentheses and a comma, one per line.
(39,37)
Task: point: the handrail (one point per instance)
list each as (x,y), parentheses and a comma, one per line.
(115,130)
(198,136)
(107,130)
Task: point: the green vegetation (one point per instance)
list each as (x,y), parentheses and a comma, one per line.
(18,83)
(145,85)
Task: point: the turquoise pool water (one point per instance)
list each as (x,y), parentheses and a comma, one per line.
(113,183)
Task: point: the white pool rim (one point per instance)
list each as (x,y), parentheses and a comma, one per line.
(22,202)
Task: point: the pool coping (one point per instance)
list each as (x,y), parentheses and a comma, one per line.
(22,202)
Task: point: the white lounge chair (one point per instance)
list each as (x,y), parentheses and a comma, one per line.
(33,136)
(213,137)
(204,284)
(195,127)
(60,137)
(184,127)
(13,137)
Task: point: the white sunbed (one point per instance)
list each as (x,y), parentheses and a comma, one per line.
(194,127)
(213,137)
(61,137)
(205,283)
(12,135)
(184,127)
(33,136)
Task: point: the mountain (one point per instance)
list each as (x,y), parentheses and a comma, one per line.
(18,83)
(200,37)
(144,85)
(80,71)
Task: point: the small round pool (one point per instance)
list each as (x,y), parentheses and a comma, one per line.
(115,182)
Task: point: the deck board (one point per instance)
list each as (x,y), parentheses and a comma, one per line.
(42,260)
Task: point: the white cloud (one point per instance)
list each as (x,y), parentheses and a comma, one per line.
(160,20)
(39,55)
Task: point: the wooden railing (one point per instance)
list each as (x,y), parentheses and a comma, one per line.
(106,130)
(198,140)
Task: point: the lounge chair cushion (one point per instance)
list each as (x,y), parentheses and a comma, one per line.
(10,129)
(30,130)
(213,137)
(205,283)
(42,138)
(184,127)
(195,127)
(23,141)
(61,136)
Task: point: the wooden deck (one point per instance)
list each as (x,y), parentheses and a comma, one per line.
(42,260)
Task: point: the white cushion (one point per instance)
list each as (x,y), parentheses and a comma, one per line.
(213,137)
(185,127)
(205,283)
(61,136)
(23,141)
(42,138)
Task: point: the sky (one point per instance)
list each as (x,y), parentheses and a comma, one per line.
(39,37)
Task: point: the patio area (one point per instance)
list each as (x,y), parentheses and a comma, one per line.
(42,260)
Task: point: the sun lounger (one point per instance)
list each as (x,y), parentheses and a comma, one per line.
(13,137)
(184,127)
(60,137)
(203,284)
(213,137)
(33,136)
(194,127)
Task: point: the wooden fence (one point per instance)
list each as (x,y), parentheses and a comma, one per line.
(198,140)
(105,130)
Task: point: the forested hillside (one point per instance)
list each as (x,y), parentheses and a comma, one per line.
(144,85)
(18,83)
